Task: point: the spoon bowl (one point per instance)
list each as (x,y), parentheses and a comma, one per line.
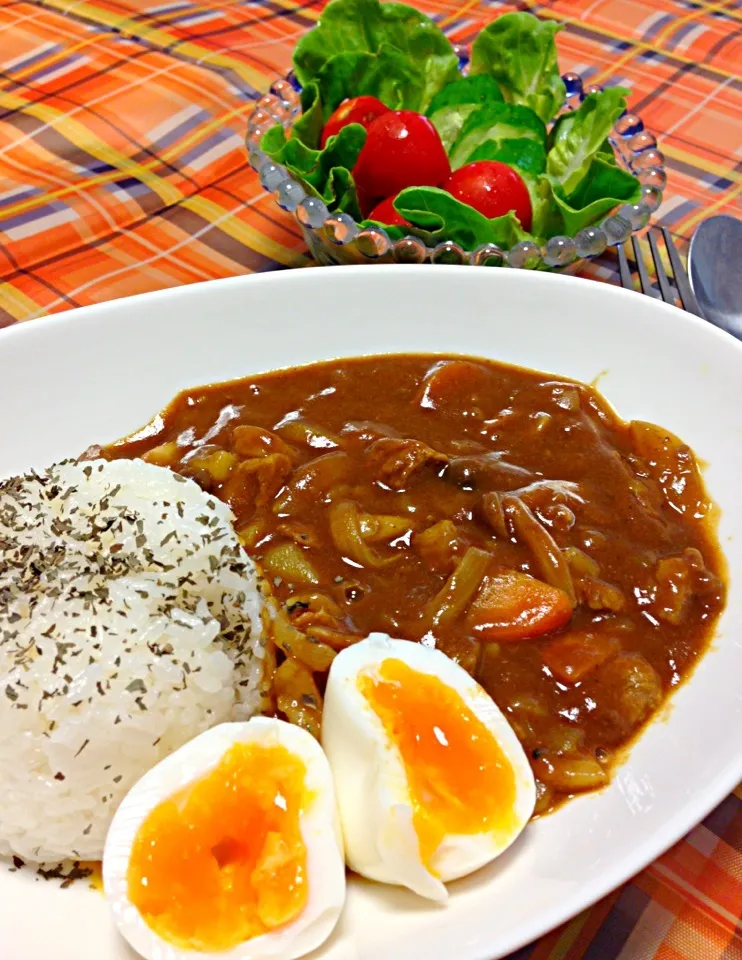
(713,266)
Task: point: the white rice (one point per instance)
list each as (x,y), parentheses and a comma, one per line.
(129,623)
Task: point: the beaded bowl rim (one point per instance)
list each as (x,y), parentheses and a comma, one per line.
(328,232)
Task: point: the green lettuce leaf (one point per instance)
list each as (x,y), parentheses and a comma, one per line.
(324,173)
(495,121)
(578,136)
(605,179)
(340,193)
(364,26)
(308,127)
(528,156)
(467,90)
(389,75)
(273,142)
(518,51)
(604,188)
(547,219)
(436,216)
(453,104)
(607,152)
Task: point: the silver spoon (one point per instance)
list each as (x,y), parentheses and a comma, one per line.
(715,268)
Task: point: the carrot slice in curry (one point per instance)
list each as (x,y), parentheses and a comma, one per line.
(572,657)
(513,606)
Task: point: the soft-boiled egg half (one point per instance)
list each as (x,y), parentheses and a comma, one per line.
(231,848)
(431,780)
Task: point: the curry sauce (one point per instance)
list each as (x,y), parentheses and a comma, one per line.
(565,558)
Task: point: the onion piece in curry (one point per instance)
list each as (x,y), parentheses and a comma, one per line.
(564,557)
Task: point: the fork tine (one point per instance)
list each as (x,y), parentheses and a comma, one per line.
(624,271)
(641,268)
(665,289)
(687,297)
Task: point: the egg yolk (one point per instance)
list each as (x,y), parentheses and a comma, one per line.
(222,860)
(458,777)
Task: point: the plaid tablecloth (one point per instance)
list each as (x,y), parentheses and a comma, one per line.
(122,170)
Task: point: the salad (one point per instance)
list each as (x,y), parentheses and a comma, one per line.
(393,134)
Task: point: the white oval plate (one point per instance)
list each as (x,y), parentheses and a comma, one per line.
(96,374)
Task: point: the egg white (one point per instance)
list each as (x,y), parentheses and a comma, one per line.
(371,783)
(320,831)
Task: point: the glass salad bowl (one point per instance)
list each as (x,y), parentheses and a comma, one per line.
(335,238)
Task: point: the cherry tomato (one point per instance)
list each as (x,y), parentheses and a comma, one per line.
(384,212)
(492,188)
(511,605)
(402,149)
(361,110)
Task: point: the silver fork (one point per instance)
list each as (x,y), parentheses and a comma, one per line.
(682,283)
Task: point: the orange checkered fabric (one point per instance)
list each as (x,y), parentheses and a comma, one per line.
(122,166)
(122,170)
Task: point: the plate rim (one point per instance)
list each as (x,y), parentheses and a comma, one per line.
(315,275)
